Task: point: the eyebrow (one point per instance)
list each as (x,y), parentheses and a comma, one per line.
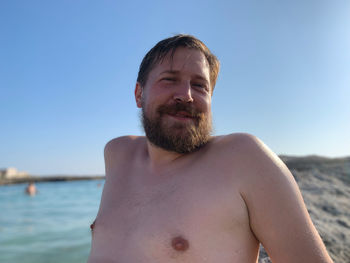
(176,72)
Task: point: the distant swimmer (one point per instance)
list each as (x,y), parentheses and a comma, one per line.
(31,189)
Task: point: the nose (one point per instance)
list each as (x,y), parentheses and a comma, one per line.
(183,93)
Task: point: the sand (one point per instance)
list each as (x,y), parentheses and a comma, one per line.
(324,183)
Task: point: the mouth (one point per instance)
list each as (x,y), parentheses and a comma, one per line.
(180,112)
(181,115)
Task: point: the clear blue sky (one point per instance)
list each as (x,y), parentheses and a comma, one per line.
(68,70)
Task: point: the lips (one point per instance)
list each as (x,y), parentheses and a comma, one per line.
(182,114)
(180,117)
(179,111)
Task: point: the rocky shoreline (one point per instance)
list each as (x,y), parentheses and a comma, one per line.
(325,186)
(56,178)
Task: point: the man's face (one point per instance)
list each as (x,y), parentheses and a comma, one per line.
(176,102)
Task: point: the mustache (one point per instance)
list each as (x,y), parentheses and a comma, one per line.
(176,107)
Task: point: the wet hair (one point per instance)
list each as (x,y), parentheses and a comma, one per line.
(169,46)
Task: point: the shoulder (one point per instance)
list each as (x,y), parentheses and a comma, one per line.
(237,140)
(122,144)
(256,164)
(245,146)
(121,152)
(122,148)
(277,214)
(251,160)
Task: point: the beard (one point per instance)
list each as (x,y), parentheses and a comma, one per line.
(182,137)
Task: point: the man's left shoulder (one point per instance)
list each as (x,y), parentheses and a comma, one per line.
(243,142)
(238,140)
(247,149)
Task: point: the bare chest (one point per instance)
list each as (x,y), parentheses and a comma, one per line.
(192,216)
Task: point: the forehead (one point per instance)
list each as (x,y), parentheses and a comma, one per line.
(184,60)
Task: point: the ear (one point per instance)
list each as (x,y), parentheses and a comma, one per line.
(138,94)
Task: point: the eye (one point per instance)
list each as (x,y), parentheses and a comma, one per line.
(169,79)
(200,86)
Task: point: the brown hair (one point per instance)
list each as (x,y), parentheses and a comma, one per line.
(169,45)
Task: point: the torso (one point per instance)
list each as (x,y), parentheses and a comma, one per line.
(191,212)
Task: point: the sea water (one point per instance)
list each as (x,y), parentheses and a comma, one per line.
(50,227)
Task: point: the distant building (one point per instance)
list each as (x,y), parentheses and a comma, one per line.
(11,172)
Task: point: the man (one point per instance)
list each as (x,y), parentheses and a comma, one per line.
(181,195)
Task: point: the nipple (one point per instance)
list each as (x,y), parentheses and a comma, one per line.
(92,226)
(179,243)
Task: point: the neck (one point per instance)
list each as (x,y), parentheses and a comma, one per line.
(158,158)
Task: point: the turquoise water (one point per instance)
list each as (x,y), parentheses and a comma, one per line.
(51,227)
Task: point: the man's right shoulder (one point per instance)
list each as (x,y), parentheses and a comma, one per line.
(120,151)
(123,145)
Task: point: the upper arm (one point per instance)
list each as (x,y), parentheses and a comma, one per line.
(277,213)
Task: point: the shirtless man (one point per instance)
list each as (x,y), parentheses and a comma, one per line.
(181,195)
